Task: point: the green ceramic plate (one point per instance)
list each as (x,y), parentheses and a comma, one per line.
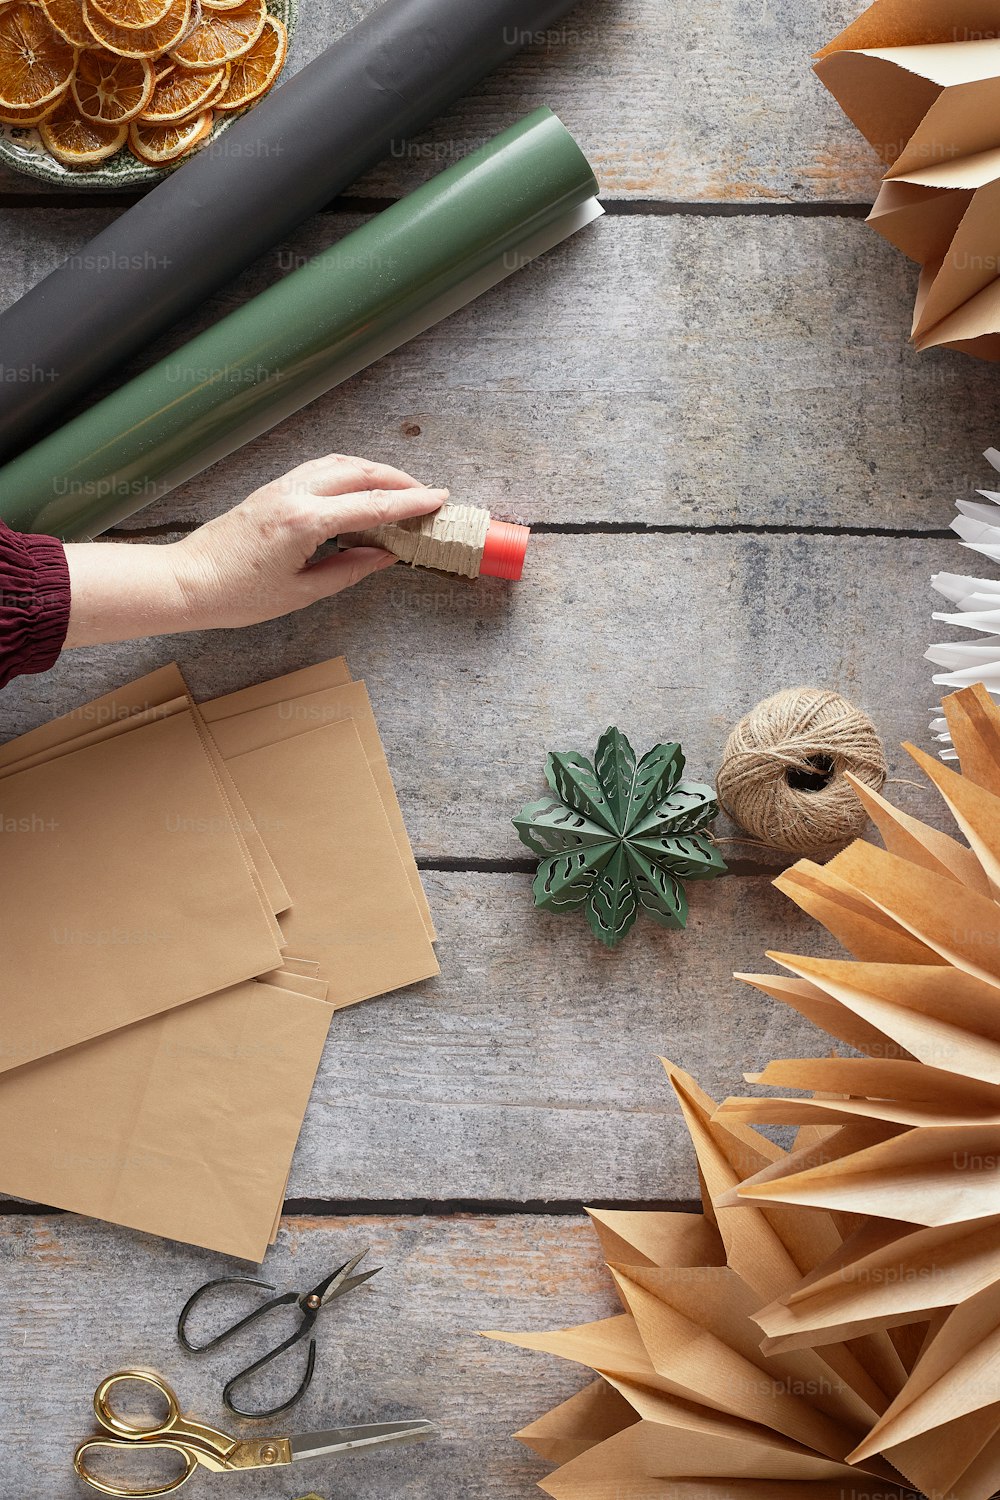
(23,149)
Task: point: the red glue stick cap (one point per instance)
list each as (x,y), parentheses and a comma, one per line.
(503,554)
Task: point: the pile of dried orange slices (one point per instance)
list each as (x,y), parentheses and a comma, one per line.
(95,75)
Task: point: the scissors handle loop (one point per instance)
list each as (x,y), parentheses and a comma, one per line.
(124,1445)
(234,1328)
(124,1427)
(274,1411)
(210,1447)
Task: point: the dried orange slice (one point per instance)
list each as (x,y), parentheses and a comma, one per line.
(149,41)
(253,74)
(26,118)
(156,145)
(181,94)
(222,36)
(36,63)
(67,17)
(134,15)
(111,89)
(77,142)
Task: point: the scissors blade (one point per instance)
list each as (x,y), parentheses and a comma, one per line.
(349,1285)
(346,1439)
(342,1281)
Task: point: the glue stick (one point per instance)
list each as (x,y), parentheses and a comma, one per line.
(462,539)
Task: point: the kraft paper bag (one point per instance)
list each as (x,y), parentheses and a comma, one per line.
(92,736)
(930,108)
(125,850)
(322,674)
(145,693)
(906,836)
(957,293)
(942,1018)
(771,1249)
(182,1126)
(863,928)
(699,1322)
(352,903)
(591,1416)
(910,1176)
(307,966)
(966,1350)
(919,104)
(243,722)
(692,1388)
(677,1435)
(122,712)
(898,1280)
(155,696)
(292,974)
(917,21)
(303,984)
(898,1092)
(919,220)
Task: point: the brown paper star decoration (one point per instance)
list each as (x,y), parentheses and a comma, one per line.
(921,81)
(828,1328)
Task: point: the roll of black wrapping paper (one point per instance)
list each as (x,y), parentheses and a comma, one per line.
(303,144)
(424,257)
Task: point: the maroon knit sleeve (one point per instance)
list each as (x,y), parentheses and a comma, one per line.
(34,602)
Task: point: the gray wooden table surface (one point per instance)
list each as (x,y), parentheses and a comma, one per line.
(739,476)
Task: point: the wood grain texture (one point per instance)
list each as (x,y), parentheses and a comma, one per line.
(529,1070)
(713,102)
(670,637)
(81,1300)
(662,371)
(679,370)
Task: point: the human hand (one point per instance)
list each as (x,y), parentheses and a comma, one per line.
(251,564)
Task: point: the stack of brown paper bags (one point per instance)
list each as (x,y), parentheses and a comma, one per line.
(829,1326)
(190,892)
(922,83)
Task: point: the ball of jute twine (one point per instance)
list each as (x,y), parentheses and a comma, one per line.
(782,773)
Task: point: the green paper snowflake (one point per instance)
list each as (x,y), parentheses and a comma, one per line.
(619,836)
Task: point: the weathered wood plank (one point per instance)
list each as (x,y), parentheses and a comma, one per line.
(531,1064)
(707,102)
(669,636)
(82,1300)
(609,381)
(530,1069)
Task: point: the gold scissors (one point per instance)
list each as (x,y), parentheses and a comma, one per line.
(201,1446)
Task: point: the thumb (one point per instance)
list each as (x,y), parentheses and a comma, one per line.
(334,574)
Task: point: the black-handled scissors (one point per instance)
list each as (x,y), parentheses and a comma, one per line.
(310,1305)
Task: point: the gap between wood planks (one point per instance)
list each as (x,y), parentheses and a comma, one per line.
(748,868)
(626,528)
(616,207)
(425,1208)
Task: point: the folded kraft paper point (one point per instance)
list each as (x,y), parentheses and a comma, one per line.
(307,141)
(462,539)
(413,265)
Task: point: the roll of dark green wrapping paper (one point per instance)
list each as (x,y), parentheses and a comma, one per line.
(304,143)
(420,260)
